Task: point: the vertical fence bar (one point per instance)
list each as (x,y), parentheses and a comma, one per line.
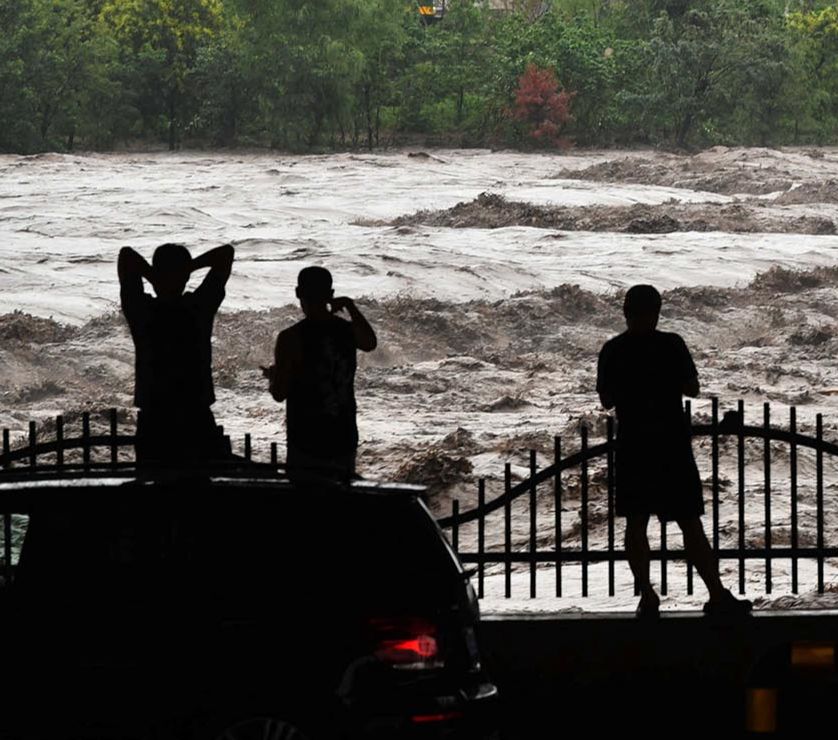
(584,482)
(481,536)
(740,458)
(766,465)
(33,444)
(793,474)
(688,408)
(7,547)
(609,461)
(507,529)
(664,582)
(819,493)
(557,511)
(7,449)
(248,450)
(455,525)
(59,441)
(533,524)
(274,455)
(114,443)
(85,438)
(714,448)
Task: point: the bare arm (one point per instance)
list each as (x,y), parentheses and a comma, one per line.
(285,364)
(365,338)
(132,267)
(219,261)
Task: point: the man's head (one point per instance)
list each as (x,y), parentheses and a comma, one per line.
(314,289)
(642,308)
(171,265)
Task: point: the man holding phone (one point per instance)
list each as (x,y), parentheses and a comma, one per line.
(314,373)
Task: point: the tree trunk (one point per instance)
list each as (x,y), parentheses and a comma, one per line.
(368,115)
(172,122)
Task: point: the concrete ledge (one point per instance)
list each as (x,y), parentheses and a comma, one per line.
(613,667)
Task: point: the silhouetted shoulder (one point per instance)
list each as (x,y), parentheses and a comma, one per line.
(681,353)
(612,346)
(605,365)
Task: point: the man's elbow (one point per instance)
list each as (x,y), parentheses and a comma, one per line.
(368,345)
(278,394)
(606,401)
(228,254)
(126,254)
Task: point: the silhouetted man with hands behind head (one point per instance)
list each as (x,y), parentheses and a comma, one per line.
(172,334)
(314,373)
(644,373)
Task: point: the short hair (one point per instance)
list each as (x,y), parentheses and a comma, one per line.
(171,258)
(642,300)
(314,283)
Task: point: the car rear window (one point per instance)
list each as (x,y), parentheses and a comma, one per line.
(236,543)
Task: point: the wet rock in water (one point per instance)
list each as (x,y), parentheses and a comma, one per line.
(783,280)
(652,224)
(811,336)
(426,156)
(23,327)
(811,192)
(710,171)
(435,469)
(460,440)
(493,211)
(505,403)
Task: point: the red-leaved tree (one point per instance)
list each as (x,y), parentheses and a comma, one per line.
(542,106)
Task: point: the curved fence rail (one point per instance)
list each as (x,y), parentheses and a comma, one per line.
(86,453)
(563,514)
(549,543)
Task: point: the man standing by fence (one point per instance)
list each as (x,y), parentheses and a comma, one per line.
(645,373)
(314,373)
(172,334)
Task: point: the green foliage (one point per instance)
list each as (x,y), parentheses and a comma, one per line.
(162,40)
(315,74)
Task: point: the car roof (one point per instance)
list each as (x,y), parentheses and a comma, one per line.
(242,479)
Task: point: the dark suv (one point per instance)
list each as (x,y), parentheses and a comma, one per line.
(235,606)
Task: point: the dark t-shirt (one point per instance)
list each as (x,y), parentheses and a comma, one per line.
(656,472)
(173,347)
(645,375)
(320,415)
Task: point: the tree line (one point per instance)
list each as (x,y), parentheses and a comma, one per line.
(315,75)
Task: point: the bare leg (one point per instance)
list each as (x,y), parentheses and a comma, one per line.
(701,555)
(637,551)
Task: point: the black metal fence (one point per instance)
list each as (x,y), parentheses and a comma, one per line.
(567,489)
(563,515)
(104,450)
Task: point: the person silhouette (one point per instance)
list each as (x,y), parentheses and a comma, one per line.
(172,333)
(644,373)
(314,373)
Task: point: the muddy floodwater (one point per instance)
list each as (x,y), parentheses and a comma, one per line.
(492,279)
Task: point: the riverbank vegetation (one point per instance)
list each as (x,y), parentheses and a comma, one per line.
(314,75)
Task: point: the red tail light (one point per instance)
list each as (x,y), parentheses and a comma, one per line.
(406,643)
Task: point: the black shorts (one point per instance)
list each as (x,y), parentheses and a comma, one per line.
(660,478)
